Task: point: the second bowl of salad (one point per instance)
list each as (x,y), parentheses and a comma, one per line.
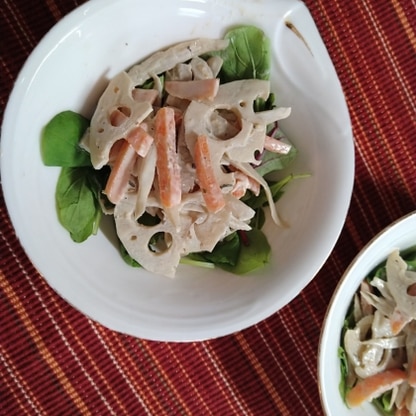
(367,360)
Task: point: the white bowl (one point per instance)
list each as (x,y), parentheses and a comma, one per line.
(69,69)
(401,235)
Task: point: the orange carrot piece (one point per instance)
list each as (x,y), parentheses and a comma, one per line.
(114,151)
(373,386)
(200,89)
(208,183)
(167,165)
(120,173)
(140,140)
(119,116)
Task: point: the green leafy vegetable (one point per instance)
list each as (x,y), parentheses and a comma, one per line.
(254,253)
(226,252)
(382,404)
(127,258)
(60,141)
(349,323)
(239,253)
(247,56)
(272,162)
(343,388)
(276,189)
(78,209)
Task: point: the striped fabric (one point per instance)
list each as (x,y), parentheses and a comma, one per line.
(55,361)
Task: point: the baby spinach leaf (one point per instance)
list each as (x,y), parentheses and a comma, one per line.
(238,255)
(60,141)
(272,162)
(254,253)
(225,252)
(247,56)
(79,211)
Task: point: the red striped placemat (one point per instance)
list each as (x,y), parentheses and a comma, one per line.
(56,361)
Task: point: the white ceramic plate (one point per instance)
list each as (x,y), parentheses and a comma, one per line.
(69,70)
(399,235)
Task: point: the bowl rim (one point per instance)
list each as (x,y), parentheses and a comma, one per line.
(342,281)
(293,5)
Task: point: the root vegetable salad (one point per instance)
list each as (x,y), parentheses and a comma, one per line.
(177,151)
(378,349)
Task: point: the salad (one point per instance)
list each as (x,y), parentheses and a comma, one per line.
(378,346)
(179,151)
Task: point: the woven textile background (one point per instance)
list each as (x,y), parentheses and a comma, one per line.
(55,361)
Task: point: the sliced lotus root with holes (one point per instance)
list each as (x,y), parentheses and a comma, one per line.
(116,115)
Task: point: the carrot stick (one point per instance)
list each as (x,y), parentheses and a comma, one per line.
(208,183)
(120,172)
(140,140)
(167,166)
(373,386)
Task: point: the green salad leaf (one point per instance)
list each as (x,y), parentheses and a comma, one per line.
(272,162)
(255,252)
(240,253)
(79,211)
(60,141)
(248,54)
(226,252)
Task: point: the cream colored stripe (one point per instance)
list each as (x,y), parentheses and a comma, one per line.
(409,28)
(68,346)
(20,383)
(136,378)
(206,410)
(16,22)
(166,378)
(230,393)
(92,361)
(388,52)
(274,394)
(365,204)
(42,348)
(133,389)
(73,393)
(131,372)
(284,373)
